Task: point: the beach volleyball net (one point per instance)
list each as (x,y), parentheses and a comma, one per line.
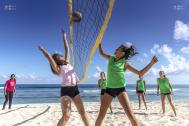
(87,34)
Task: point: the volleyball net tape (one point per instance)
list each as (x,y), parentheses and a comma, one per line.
(86,35)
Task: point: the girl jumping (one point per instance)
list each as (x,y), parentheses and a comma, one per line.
(117,65)
(61,67)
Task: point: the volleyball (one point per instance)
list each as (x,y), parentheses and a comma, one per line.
(76,16)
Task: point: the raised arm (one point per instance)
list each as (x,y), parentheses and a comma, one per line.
(131,68)
(144,70)
(51,60)
(106,56)
(66,47)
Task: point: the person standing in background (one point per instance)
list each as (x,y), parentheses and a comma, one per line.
(102,86)
(9,90)
(141,91)
(165,88)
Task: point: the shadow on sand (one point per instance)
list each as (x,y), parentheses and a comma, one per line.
(32,117)
(14,110)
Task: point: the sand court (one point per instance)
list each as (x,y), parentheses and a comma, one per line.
(49,114)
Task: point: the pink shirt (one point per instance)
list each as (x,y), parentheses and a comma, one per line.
(68,75)
(10,85)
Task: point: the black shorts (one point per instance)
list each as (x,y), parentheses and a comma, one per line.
(140,91)
(69,91)
(103,91)
(114,92)
(166,93)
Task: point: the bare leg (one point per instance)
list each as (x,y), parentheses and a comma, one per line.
(66,110)
(163,103)
(110,107)
(139,101)
(105,103)
(143,98)
(125,103)
(171,103)
(80,108)
(101,97)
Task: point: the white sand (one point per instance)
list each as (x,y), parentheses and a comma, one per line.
(49,114)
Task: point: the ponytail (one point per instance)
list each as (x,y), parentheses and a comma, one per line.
(129,51)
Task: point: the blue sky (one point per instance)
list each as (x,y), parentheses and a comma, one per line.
(155,27)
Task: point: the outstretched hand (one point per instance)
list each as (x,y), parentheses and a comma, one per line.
(154,60)
(63,32)
(40,48)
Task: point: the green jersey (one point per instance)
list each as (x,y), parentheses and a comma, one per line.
(164,85)
(116,73)
(102,83)
(140,85)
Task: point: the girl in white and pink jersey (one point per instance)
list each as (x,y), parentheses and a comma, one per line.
(69,90)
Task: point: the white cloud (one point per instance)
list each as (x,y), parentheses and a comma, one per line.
(96,75)
(154,71)
(155,47)
(128,44)
(176,63)
(5,76)
(145,55)
(185,49)
(88,77)
(164,49)
(181,31)
(98,69)
(32,78)
(59,52)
